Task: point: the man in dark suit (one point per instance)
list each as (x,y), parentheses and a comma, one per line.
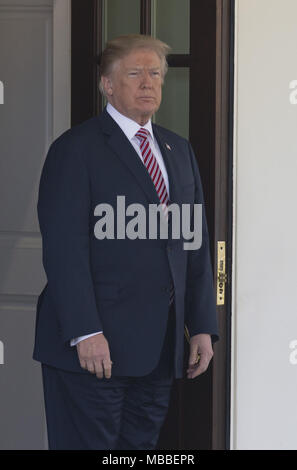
(110,320)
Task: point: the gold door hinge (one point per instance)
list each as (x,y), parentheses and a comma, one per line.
(221,273)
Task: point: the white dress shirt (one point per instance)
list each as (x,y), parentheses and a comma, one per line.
(130,127)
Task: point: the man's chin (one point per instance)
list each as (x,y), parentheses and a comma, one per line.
(148,111)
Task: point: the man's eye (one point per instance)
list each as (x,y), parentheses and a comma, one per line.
(133,74)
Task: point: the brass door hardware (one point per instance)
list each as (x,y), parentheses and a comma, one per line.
(187,335)
(221,273)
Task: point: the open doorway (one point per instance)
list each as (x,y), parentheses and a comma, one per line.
(198,105)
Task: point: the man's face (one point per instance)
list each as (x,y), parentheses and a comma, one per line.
(134,87)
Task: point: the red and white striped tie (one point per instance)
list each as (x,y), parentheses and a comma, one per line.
(154,170)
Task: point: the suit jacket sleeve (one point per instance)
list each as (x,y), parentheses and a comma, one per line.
(200,306)
(63,213)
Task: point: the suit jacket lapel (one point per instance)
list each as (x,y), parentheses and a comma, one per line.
(121,146)
(170,156)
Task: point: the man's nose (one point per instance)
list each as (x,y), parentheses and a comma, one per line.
(146,81)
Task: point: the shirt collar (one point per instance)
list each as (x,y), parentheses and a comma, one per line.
(128,126)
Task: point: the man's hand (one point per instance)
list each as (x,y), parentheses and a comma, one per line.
(199,344)
(93,353)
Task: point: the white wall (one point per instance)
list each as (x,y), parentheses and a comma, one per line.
(264,380)
(35,71)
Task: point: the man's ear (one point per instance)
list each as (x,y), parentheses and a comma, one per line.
(107,85)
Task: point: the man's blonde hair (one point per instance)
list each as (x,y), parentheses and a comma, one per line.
(121,46)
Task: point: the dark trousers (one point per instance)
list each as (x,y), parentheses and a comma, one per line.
(84,412)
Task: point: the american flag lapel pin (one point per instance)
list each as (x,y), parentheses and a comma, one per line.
(168,146)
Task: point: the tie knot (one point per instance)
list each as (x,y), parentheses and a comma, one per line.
(142,134)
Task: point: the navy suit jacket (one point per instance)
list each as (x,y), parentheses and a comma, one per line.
(120,286)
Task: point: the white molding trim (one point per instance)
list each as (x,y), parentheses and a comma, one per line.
(32,9)
(61,66)
(26,4)
(15,302)
(20,240)
(233,401)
